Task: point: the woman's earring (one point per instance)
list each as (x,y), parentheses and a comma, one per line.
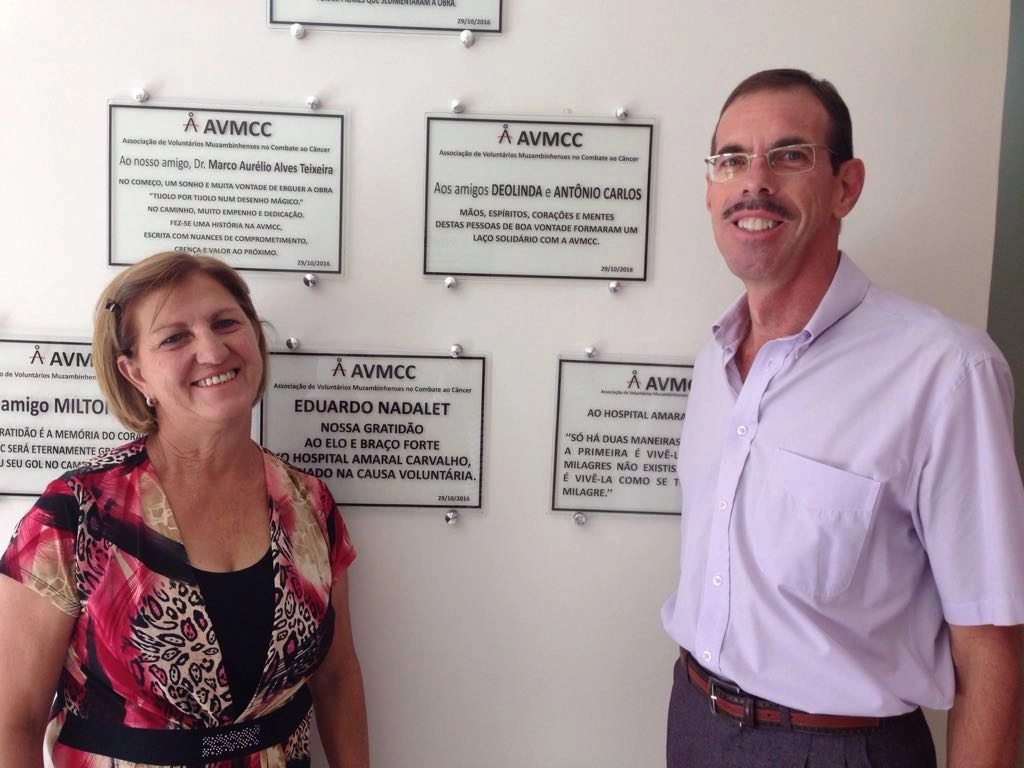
(151,402)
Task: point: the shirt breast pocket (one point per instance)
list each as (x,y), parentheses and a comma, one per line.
(810,527)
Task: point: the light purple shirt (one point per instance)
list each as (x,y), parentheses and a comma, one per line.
(856,492)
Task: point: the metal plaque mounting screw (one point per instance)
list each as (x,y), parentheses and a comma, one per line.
(622,113)
(467,37)
(458,107)
(451,517)
(590,353)
(579,518)
(614,286)
(451,283)
(292,343)
(140,94)
(298,31)
(309,279)
(313,102)
(455,350)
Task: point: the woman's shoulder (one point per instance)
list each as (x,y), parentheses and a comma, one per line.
(124,456)
(285,479)
(107,467)
(305,502)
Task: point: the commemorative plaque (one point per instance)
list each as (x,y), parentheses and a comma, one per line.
(617,436)
(380,430)
(260,190)
(422,15)
(52,416)
(537,198)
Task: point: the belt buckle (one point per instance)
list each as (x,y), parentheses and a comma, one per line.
(243,737)
(715,684)
(713,695)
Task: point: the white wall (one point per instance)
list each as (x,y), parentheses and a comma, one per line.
(514,638)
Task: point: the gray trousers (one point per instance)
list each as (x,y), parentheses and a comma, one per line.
(698,738)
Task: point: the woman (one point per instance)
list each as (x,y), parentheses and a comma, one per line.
(185,594)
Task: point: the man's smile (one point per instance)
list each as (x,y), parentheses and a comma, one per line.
(756,224)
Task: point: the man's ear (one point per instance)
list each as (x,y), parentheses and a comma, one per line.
(849,184)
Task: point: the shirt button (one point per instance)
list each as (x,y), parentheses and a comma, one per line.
(741,430)
(771,363)
(706,655)
(717,581)
(723,504)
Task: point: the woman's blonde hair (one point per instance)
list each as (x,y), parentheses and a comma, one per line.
(113,334)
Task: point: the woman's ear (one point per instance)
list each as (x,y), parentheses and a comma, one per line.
(131,371)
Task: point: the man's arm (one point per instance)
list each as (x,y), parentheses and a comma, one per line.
(985,721)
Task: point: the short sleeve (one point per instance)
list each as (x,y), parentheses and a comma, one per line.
(41,554)
(341,551)
(972,501)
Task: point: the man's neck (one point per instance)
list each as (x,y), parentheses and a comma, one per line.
(782,309)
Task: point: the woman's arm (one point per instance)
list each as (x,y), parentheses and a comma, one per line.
(34,637)
(337,688)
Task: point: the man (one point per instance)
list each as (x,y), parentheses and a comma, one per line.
(853,516)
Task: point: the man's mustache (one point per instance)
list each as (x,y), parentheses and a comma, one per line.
(759,204)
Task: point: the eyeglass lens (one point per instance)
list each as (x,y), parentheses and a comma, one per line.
(796,158)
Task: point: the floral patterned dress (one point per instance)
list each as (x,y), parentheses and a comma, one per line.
(102,545)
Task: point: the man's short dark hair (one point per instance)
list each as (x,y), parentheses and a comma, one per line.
(840,128)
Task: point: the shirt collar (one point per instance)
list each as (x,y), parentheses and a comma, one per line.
(846,292)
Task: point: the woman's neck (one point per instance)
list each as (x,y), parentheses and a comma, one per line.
(227,453)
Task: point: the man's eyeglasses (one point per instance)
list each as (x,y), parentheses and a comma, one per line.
(794,158)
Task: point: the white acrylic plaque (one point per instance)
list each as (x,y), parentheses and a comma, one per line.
(380,430)
(537,198)
(260,190)
(52,415)
(617,436)
(425,15)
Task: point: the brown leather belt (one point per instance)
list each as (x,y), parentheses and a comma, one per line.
(729,700)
